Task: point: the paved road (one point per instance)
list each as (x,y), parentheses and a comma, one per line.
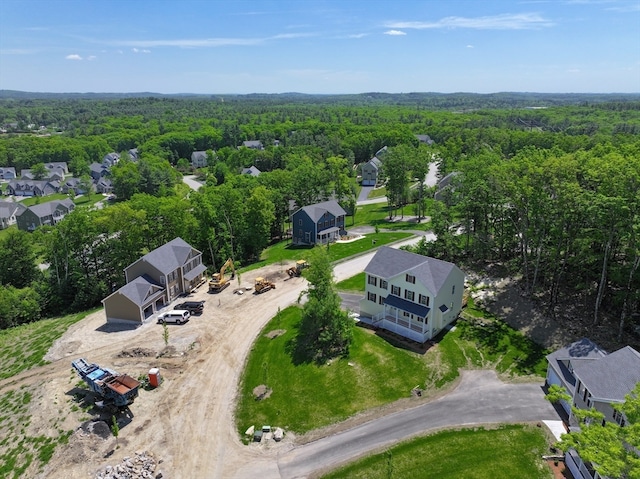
(480,398)
(190,181)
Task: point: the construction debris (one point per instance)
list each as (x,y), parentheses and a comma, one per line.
(141,466)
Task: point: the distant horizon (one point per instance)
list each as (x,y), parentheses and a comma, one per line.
(25,92)
(327,47)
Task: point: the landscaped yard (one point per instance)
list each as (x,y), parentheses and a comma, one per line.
(285,252)
(377,214)
(508,452)
(306,396)
(82,200)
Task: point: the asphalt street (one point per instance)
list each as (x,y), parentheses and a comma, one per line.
(480,398)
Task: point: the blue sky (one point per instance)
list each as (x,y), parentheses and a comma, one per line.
(320,46)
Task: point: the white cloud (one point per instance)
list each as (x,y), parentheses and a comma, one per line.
(73,57)
(394,32)
(91,57)
(507,21)
(357,35)
(204,42)
(139,50)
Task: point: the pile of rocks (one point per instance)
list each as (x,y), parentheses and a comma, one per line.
(141,466)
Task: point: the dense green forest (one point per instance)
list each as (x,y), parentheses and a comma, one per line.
(548,185)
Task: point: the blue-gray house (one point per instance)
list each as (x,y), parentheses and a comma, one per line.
(321,223)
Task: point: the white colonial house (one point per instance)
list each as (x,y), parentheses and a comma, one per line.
(411,295)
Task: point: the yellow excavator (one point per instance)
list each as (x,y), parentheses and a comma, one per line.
(218,282)
(296,270)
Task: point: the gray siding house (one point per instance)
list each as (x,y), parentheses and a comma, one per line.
(48,213)
(594,379)
(199,159)
(33,187)
(321,223)
(253,144)
(154,280)
(370,172)
(7,173)
(411,295)
(253,171)
(9,212)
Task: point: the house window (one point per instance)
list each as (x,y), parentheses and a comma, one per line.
(373,281)
(383,284)
(406,314)
(618,417)
(381,299)
(371,297)
(300,222)
(410,279)
(453,289)
(422,299)
(395,290)
(410,295)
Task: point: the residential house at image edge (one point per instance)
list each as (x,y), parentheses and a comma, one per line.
(9,211)
(154,281)
(370,172)
(594,379)
(49,213)
(321,223)
(411,295)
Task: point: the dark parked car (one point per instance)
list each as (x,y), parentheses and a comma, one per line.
(194,307)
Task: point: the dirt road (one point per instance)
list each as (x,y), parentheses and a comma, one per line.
(187,422)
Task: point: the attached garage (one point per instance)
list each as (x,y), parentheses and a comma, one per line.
(135,301)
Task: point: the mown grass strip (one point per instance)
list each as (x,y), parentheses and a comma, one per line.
(503,453)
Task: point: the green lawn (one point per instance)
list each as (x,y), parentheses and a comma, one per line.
(377,193)
(504,453)
(78,200)
(353,284)
(377,214)
(285,252)
(24,347)
(306,396)
(377,372)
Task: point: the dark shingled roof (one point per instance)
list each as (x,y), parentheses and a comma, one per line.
(48,208)
(405,305)
(316,211)
(170,256)
(611,377)
(139,289)
(389,262)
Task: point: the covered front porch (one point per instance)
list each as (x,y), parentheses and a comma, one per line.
(408,319)
(329,235)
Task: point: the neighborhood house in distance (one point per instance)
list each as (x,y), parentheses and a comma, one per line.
(154,281)
(411,295)
(321,223)
(594,379)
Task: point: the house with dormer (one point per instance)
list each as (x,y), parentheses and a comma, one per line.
(155,280)
(595,379)
(44,214)
(320,223)
(33,187)
(411,295)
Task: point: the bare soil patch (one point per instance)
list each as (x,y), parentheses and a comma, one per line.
(275,333)
(261,392)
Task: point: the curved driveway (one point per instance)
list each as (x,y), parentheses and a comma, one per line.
(480,398)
